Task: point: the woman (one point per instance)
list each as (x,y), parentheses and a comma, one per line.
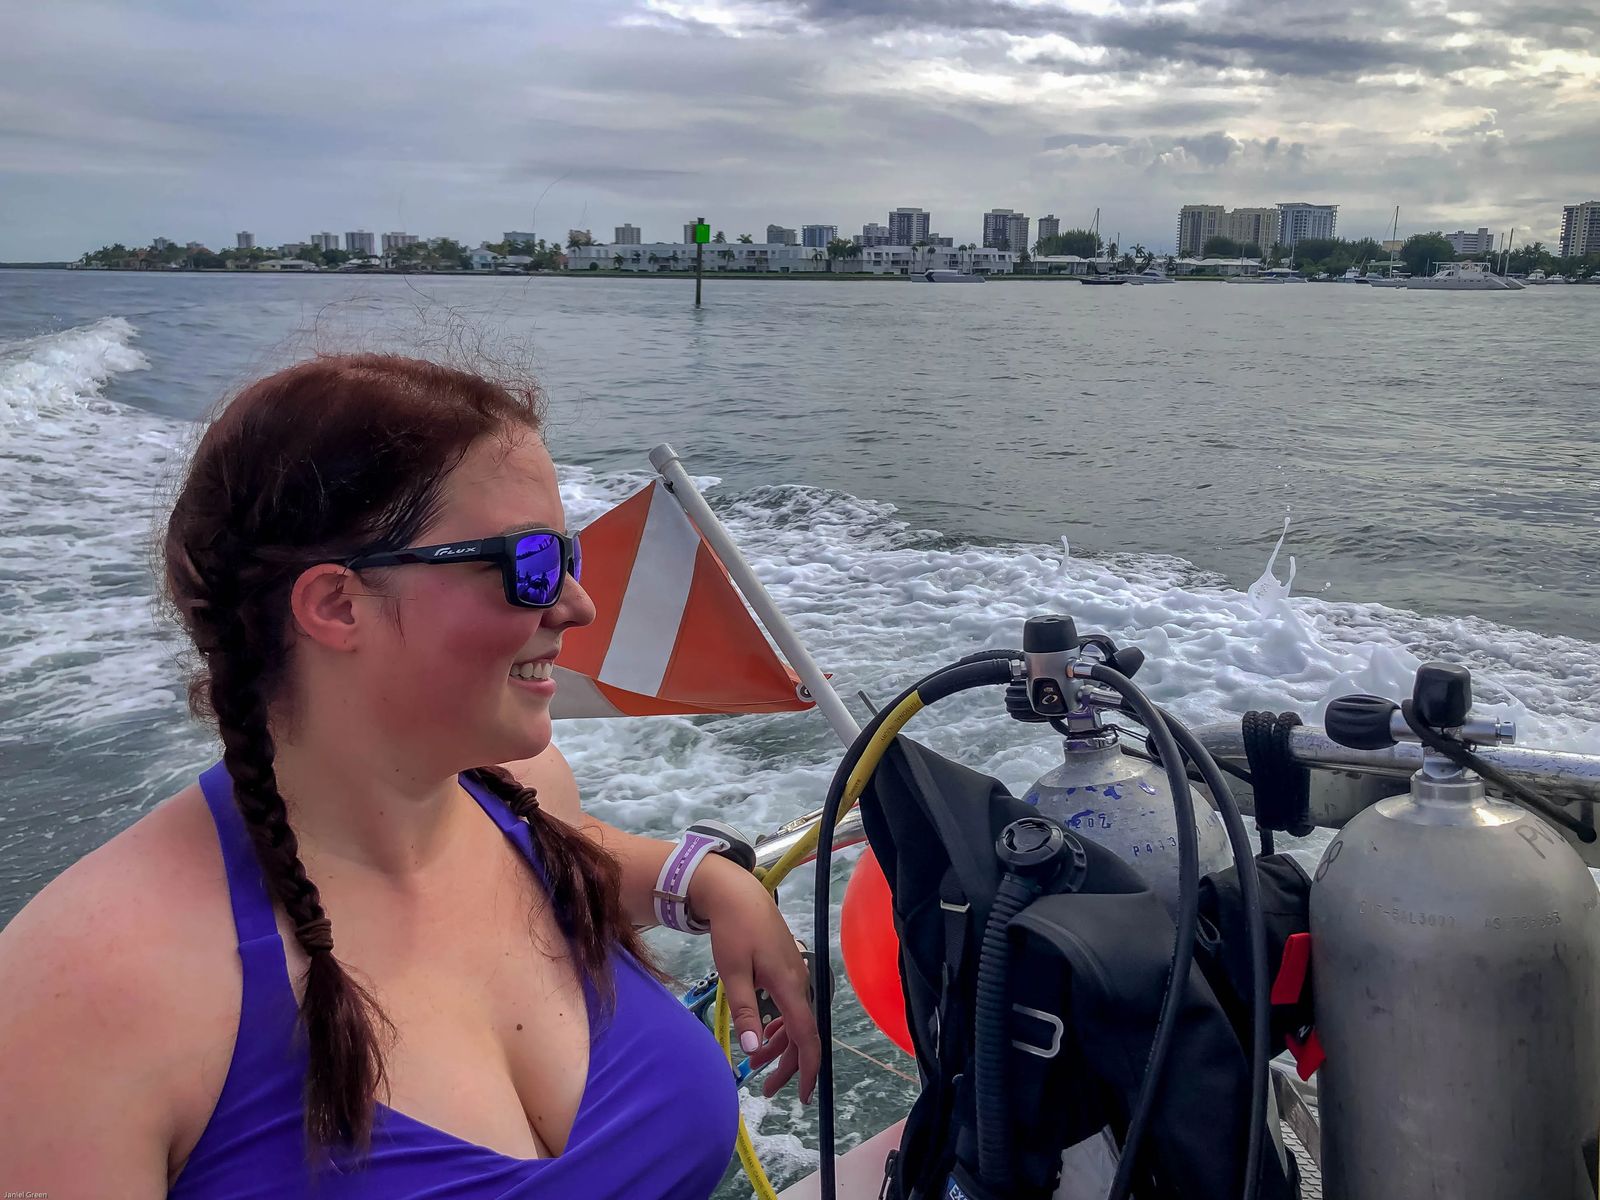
(177,1021)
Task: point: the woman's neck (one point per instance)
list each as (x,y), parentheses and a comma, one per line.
(369,806)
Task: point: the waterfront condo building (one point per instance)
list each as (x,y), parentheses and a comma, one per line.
(873,234)
(1049,226)
(626,235)
(777,235)
(359,241)
(1580,229)
(1298,221)
(1004,229)
(818,236)
(245,239)
(325,241)
(397,241)
(1198,224)
(907,227)
(1467,244)
(1253,226)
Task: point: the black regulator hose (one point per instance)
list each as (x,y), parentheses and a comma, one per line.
(985,669)
(1187,921)
(991,1037)
(1256,930)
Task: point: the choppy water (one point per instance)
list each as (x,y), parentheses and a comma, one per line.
(901,465)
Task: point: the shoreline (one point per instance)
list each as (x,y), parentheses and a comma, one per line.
(680,276)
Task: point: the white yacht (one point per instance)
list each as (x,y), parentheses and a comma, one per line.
(1153,275)
(940,275)
(1270,275)
(1464,277)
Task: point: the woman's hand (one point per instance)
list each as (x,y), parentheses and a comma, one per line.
(753,948)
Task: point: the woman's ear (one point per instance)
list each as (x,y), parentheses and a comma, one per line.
(322,608)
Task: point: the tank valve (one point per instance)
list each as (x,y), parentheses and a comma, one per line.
(1441,700)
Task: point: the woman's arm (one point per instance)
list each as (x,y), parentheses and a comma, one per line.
(84,1058)
(750,942)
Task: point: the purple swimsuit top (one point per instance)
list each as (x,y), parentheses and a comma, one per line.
(657,1117)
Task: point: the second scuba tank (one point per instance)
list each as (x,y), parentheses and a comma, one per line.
(1100,793)
(1456,972)
(1125,804)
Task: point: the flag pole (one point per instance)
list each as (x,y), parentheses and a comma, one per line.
(815,685)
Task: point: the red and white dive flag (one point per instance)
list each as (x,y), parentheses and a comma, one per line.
(672,635)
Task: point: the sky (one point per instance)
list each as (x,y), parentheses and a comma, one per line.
(192,119)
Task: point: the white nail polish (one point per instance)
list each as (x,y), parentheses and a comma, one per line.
(749,1042)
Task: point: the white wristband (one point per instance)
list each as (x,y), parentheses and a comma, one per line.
(672,885)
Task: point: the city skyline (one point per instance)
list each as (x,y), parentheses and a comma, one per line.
(136,125)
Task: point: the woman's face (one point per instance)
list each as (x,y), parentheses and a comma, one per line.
(441,674)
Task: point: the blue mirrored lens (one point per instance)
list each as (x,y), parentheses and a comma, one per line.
(577,559)
(538,569)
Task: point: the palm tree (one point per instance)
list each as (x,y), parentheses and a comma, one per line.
(616,262)
(746,239)
(819,256)
(1171,264)
(719,237)
(1141,256)
(654,259)
(635,258)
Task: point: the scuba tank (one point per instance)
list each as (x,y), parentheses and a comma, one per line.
(1455,974)
(1101,793)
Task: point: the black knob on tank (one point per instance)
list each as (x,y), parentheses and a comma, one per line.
(1048,635)
(1039,850)
(1360,722)
(1442,695)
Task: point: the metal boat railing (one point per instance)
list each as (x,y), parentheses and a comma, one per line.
(1343,782)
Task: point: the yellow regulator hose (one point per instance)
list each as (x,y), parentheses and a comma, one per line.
(803,848)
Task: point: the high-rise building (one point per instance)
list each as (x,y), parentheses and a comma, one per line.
(626,235)
(518,235)
(1004,229)
(1049,226)
(579,237)
(245,239)
(907,227)
(359,241)
(818,236)
(1467,244)
(1017,239)
(1298,221)
(995,223)
(873,234)
(325,241)
(777,235)
(1198,224)
(1253,227)
(1580,229)
(396,241)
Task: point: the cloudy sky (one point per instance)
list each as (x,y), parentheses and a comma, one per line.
(191,119)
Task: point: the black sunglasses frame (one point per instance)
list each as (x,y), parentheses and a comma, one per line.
(501,549)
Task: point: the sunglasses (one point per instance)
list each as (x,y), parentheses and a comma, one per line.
(533,563)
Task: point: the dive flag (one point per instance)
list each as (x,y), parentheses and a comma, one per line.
(671,634)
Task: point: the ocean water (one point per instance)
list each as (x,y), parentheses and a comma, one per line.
(911,471)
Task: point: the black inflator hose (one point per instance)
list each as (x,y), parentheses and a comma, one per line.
(1187,921)
(1256,930)
(992,1036)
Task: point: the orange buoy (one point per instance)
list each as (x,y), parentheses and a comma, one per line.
(872,950)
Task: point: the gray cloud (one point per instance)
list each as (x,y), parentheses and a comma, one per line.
(121,125)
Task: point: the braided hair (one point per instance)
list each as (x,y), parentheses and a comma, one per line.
(314,463)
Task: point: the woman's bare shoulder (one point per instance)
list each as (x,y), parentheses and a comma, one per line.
(118,982)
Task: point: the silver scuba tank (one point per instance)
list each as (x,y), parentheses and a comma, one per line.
(1125,804)
(1455,944)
